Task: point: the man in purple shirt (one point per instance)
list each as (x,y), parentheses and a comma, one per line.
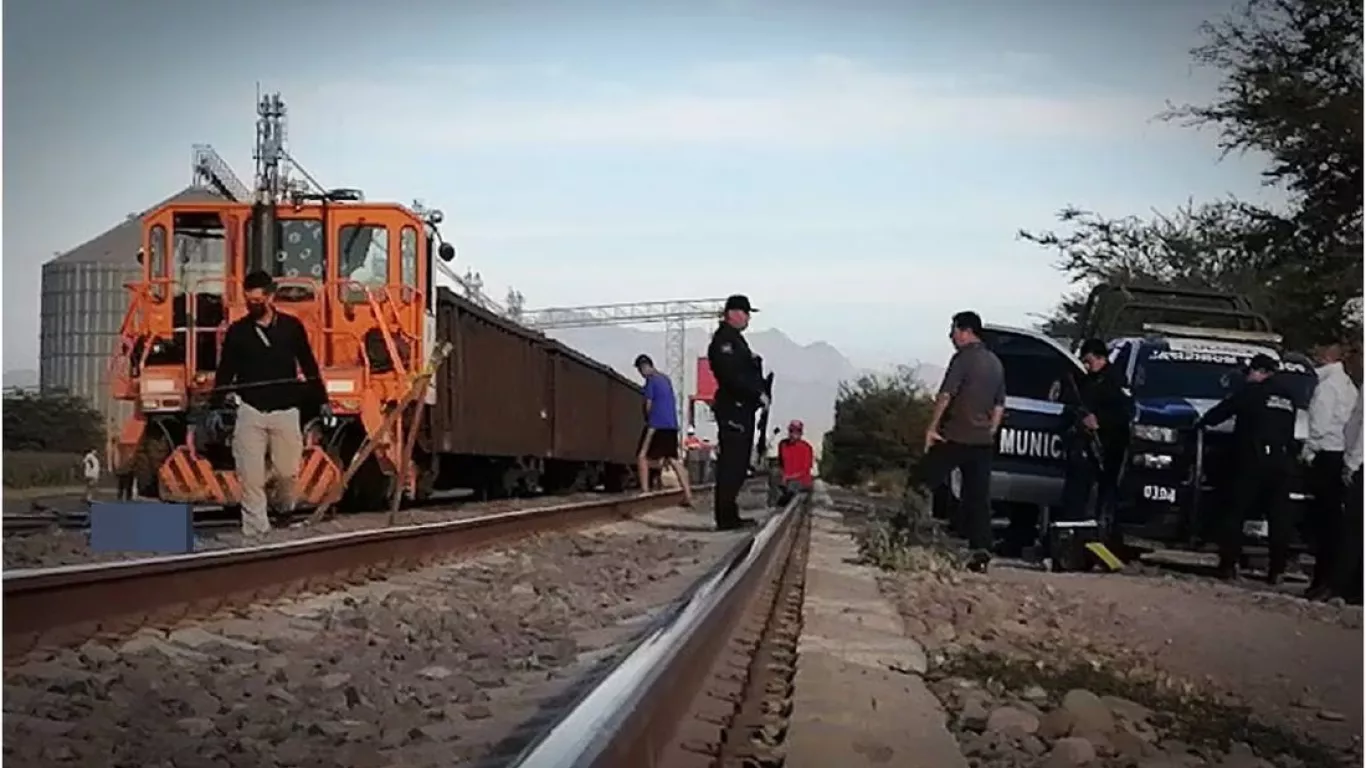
(660,441)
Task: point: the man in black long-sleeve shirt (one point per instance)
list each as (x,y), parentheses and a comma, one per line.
(263,355)
(739,394)
(1097,449)
(1263,443)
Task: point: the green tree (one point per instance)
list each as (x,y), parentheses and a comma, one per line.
(1291,90)
(879,428)
(51,422)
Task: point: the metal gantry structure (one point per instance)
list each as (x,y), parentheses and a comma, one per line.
(675,316)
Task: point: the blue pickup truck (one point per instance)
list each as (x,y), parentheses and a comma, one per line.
(1181,352)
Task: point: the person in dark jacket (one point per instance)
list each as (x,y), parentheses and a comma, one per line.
(1096,452)
(739,396)
(268,365)
(1262,456)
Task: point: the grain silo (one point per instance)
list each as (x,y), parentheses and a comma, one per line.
(83,303)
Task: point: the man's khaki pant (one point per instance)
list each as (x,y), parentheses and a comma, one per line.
(275,434)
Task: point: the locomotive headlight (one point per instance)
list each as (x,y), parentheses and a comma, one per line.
(435,217)
(1154,434)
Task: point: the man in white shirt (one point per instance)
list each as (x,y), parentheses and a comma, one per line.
(90,469)
(1328,416)
(1348,581)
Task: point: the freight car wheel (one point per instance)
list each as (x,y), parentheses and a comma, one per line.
(370,490)
(615,478)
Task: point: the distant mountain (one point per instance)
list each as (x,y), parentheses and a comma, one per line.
(21,378)
(806,376)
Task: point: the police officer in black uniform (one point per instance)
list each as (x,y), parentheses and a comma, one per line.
(1263,455)
(739,395)
(1100,438)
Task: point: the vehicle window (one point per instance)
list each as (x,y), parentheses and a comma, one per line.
(299,252)
(1198,375)
(364,259)
(156,241)
(407,257)
(1033,368)
(200,253)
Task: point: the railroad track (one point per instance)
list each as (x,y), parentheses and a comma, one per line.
(649,642)
(54,545)
(67,604)
(711,683)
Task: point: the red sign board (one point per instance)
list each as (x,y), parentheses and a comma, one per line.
(706,382)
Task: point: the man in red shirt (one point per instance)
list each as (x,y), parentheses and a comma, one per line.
(796,458)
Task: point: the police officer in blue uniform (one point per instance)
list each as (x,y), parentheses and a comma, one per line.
(739,396)
(1262,460)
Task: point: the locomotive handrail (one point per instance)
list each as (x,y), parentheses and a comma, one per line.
(400,364)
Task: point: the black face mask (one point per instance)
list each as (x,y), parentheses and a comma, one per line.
(256,310)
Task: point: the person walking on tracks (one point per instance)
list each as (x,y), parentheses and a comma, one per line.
(962,431)
(660,441)
(263,355)
(1101,439)
(1263,438)
(739,395)
(1329,411)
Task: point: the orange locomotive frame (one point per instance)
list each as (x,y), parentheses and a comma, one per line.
(358,275)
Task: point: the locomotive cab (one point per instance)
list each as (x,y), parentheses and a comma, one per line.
(356,274)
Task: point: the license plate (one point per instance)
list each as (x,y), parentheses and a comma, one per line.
(1257,529)
(1159,493)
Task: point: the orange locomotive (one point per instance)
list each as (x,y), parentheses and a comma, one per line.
(360,276)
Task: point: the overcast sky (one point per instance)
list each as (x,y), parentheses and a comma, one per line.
(860,169)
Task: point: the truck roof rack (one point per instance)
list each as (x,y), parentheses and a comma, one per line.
(1114,310)
(1216,334)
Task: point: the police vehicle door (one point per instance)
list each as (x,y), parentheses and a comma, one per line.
(1029,465)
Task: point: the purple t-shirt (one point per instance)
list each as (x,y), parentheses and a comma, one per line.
(659,392)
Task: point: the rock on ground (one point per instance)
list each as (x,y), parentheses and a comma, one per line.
(1296,665)
(449,663)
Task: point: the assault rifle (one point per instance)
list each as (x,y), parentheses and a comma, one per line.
(761,442)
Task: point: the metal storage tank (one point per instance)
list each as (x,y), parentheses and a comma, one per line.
(82,305)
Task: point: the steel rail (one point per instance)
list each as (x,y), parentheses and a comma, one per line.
(66,604)
(633,714)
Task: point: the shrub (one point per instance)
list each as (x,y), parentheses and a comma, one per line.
(40,469)
(879,430)
(51,422)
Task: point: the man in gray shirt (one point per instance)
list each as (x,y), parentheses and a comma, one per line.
(962,430)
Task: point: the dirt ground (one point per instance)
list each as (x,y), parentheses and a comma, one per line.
(1296,665)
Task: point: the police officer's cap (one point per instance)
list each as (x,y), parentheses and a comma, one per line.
(1263,362)
(739,302)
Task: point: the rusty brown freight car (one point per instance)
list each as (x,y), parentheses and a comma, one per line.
(518,412)
(598,412)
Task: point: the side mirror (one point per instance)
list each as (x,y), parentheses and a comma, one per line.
(446,252)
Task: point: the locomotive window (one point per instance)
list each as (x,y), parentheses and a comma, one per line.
(200,253)
(298,251)
(407,256)
(156,245)
(364,259)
